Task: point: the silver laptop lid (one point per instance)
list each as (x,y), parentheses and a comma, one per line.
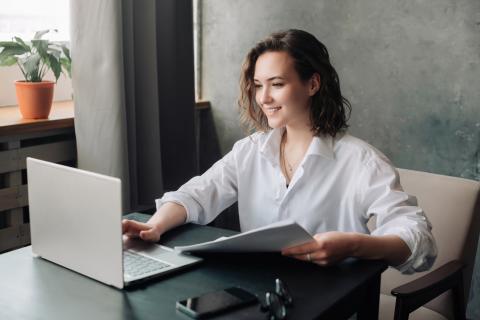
(75,219)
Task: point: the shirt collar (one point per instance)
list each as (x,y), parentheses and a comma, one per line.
(320,146)
(271,146)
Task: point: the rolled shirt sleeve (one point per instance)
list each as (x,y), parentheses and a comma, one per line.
(205,196)
(397,213)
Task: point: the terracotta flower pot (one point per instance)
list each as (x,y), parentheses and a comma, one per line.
(34,98)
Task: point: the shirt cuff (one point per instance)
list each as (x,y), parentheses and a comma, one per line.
(192,207)
(423,250)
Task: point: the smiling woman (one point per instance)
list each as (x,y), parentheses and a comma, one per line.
(15,20)
(302,165)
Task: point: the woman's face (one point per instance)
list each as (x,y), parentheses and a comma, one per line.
(282,95)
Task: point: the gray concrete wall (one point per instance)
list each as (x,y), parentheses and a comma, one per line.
(411,70)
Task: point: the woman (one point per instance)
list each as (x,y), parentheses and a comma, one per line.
(301,164)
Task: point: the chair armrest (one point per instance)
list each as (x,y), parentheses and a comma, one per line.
(439,280)
(416,293)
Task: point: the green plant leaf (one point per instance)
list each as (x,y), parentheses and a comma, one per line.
(41,46)
(31,64)
(8,44)
(22,43)
(8,61)
(54,64)
(66,52)
(39,34)
(9,53)
(56,52)
(12,47)
(67,65)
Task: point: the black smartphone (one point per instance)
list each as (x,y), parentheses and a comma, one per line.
(213,303)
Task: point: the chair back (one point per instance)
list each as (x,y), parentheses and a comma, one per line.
(473,305)
(450,204)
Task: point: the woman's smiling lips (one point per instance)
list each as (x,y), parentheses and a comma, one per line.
(272,110)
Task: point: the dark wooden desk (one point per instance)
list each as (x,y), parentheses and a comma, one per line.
(32,288)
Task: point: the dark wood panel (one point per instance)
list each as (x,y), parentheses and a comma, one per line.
(14,237)
(13,160)
(13,197)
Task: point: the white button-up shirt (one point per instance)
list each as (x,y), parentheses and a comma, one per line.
(339,185)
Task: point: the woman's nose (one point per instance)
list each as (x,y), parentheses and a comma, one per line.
(265,96)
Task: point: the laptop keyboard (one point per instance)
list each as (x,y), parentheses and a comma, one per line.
(136,265)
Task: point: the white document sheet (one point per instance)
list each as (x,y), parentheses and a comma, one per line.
(271,238)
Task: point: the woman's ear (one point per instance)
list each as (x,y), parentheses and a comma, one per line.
(314,84)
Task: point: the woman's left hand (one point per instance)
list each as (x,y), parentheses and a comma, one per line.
(328,248)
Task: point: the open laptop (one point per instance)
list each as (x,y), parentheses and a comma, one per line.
(75,221)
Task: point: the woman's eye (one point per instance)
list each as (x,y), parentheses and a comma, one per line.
(277,84)
(258,86)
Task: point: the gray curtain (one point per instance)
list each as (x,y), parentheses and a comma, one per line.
(98,86)
(133,83)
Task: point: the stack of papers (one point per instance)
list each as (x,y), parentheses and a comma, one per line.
(271,238)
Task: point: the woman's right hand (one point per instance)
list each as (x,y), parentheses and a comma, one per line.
(168,216)
(144,231)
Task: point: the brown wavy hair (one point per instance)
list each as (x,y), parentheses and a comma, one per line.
(329,110)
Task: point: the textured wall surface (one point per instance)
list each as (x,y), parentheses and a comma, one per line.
(411,70)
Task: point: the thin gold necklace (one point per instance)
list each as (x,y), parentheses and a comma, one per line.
(284,161)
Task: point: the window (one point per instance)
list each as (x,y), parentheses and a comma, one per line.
(24,17)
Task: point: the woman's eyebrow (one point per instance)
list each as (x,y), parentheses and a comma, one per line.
(272,78)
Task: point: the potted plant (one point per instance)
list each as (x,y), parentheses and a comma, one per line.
(35,58)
